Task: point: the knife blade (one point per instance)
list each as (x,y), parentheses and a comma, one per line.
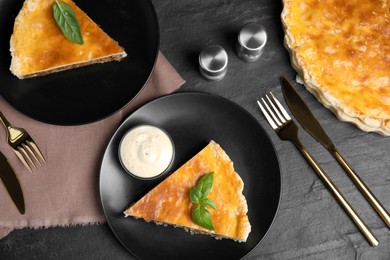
(11,183)
(305,117)
(303,114)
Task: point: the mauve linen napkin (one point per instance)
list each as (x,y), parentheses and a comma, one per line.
(65,191)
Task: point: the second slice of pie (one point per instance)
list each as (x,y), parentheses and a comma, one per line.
(38,47)
(169,202)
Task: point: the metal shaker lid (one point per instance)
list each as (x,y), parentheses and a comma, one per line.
(213,61)
(251,42)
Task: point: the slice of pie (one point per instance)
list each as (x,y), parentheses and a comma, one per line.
(38,47)
(169,202)
(341,51)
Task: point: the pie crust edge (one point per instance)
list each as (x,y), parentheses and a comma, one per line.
(365,123)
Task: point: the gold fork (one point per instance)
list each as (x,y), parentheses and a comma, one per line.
(23,145)
(286,129)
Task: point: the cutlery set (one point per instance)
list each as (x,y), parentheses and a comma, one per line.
(286,129)
(28,153)
(23,145)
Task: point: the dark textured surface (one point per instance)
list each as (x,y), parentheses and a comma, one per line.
(310,224)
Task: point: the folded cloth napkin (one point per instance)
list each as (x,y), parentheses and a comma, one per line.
(65,190)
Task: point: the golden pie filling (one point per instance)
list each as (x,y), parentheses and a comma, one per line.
(341,49)
(169,202)
(38,46)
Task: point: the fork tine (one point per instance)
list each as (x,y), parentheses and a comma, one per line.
(25,155)
(28,149)
(284,112)
(271,112)
(267,116)
(36,148)
(20,156)
(281,118)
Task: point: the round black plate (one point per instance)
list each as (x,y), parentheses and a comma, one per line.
(93,92)
(192,120)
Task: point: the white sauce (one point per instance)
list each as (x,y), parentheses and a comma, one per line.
(146,151)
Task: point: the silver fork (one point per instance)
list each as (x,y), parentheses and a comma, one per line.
(23,145)
(286,129)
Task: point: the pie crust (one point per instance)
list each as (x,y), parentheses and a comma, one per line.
(341,51)
(38,47)
(169,202)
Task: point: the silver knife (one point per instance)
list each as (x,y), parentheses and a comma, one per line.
(304,116)
(11,183)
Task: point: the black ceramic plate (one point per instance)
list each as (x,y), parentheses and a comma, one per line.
(93,92)
(192,120)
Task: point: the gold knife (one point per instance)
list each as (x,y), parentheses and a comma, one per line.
(304,116)
(11,183)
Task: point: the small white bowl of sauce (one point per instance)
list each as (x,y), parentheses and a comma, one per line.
(146,151)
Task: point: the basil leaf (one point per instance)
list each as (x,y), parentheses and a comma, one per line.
(205,183)
(195,195)
(208,203)
(198,195)
(67,21)
(202,217)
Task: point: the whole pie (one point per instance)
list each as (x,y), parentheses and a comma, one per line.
(38,47)
(341,50)
(169,202)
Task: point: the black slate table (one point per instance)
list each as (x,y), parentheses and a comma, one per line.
(309,224)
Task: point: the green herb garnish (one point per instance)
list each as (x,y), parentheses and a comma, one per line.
(198,195)
(67,21)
